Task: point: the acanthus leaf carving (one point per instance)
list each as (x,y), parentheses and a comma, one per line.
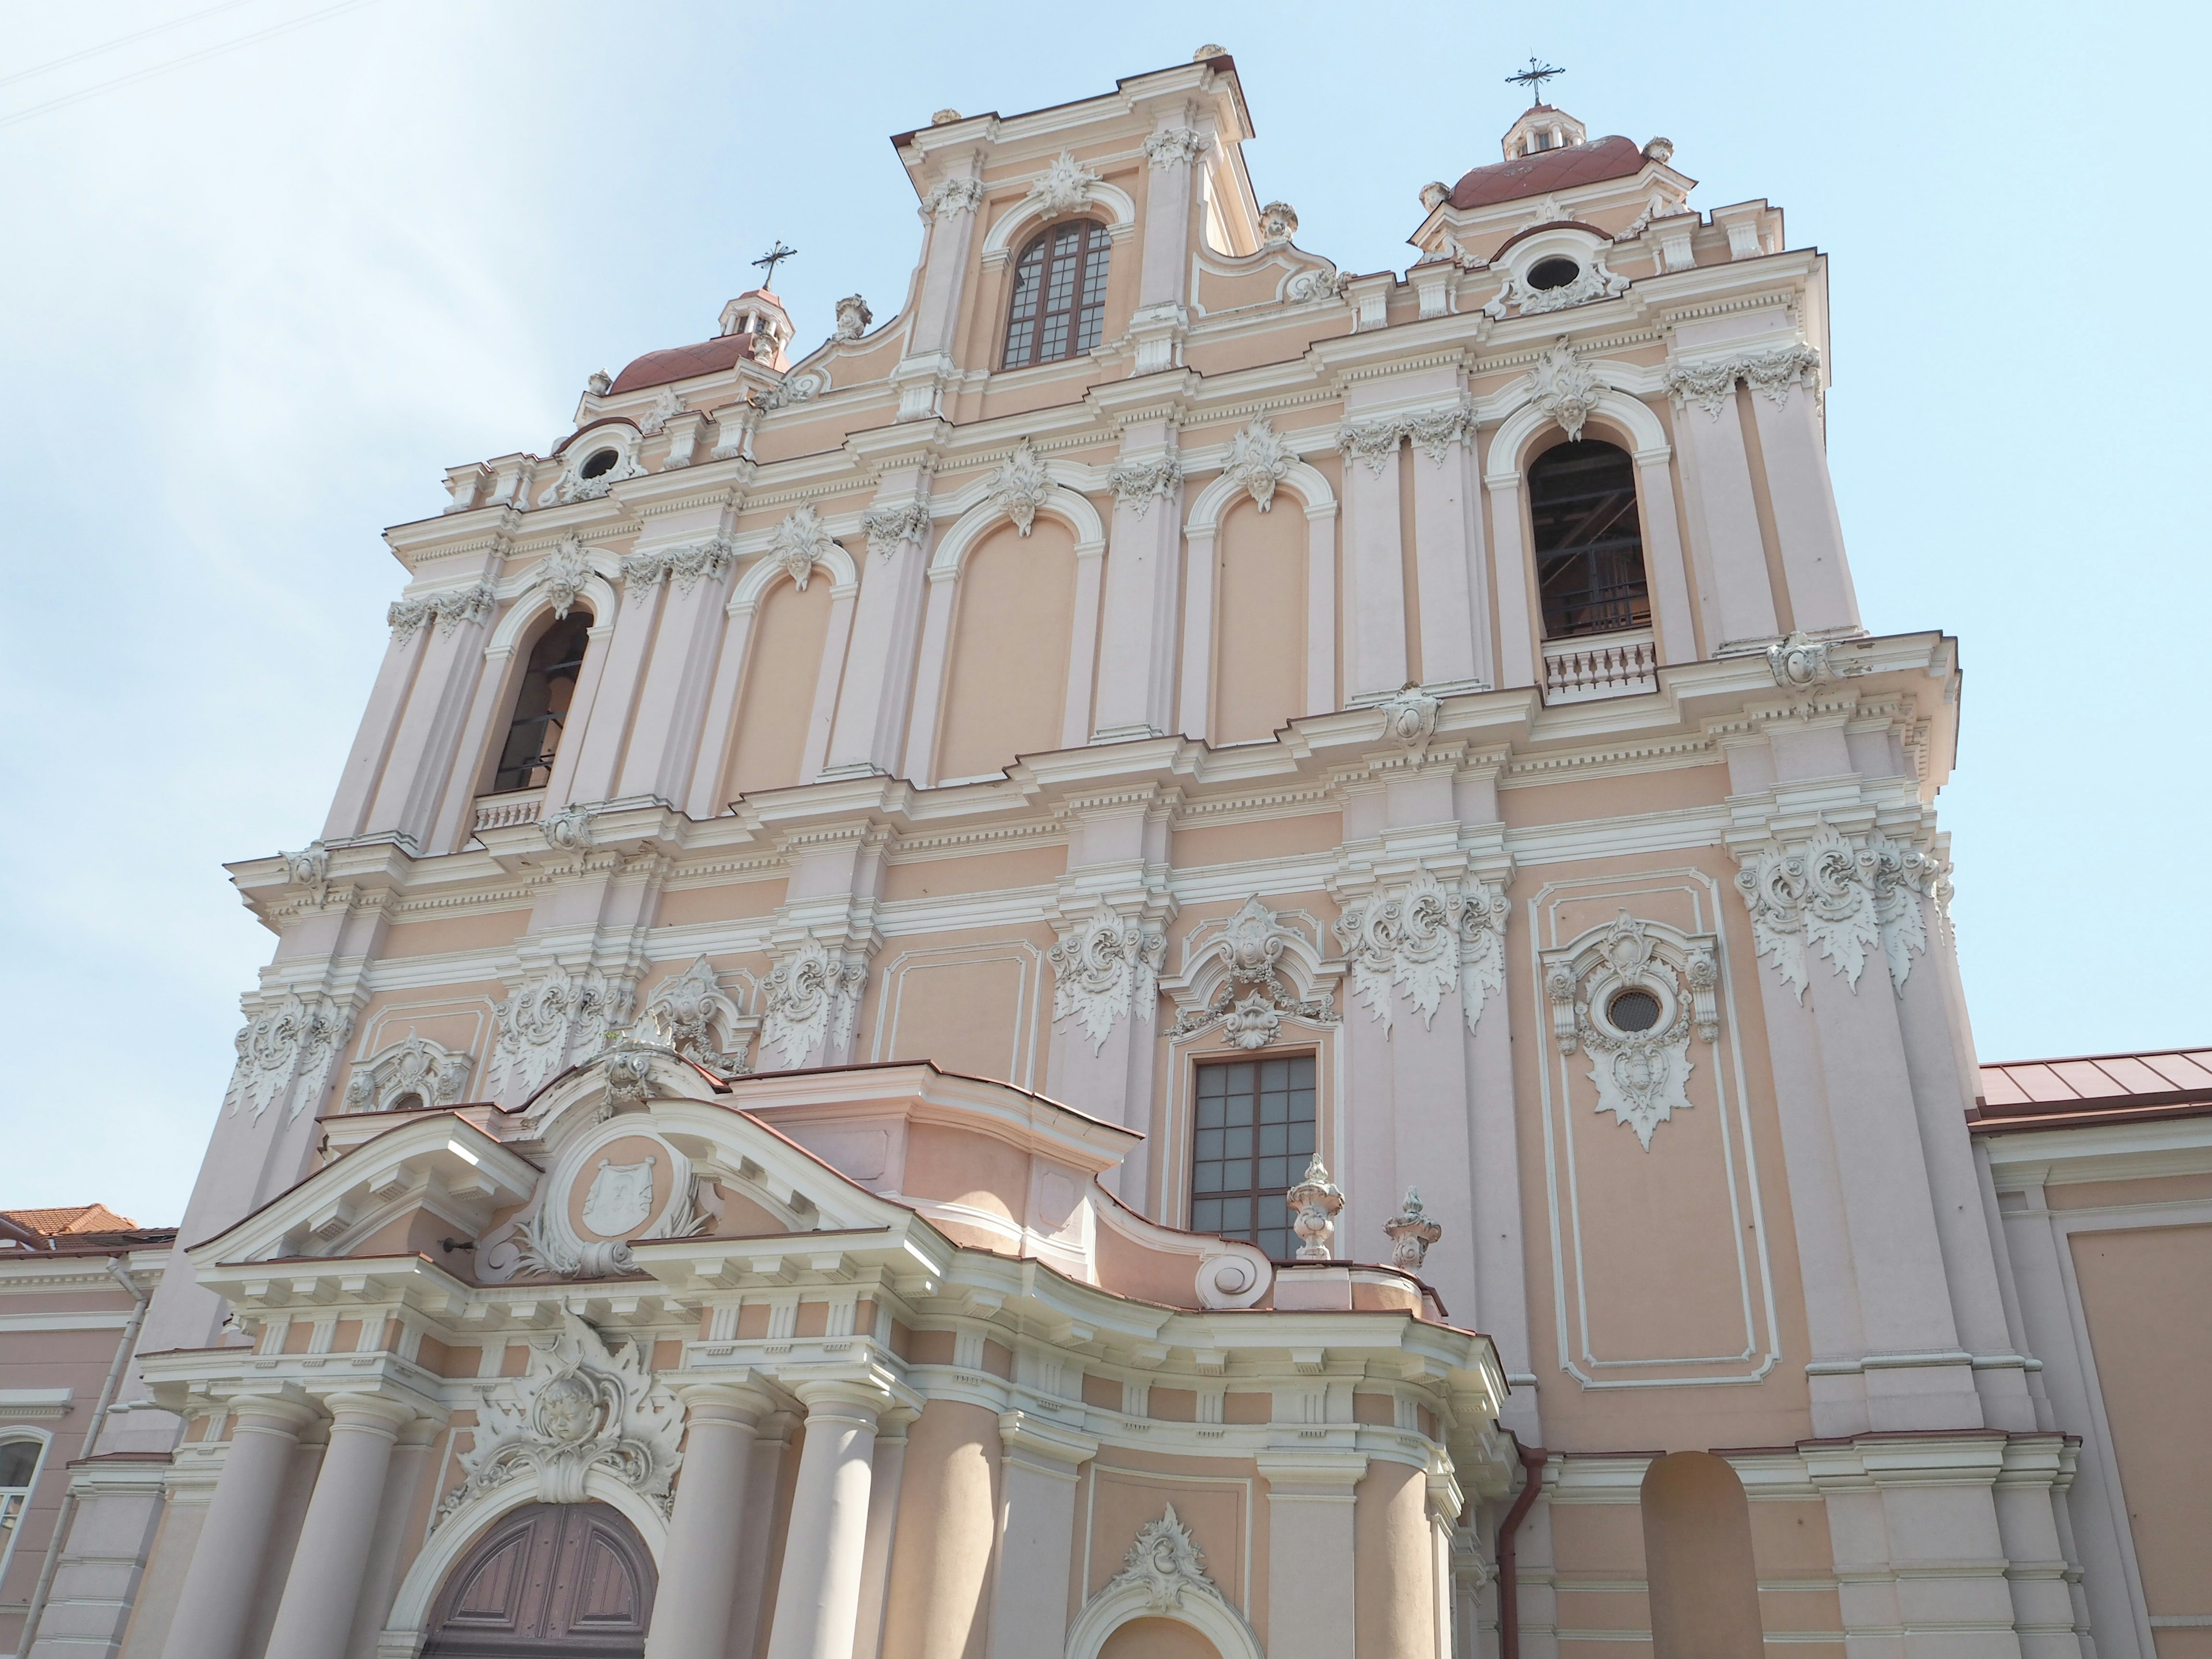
(554,1020)
(892,524)
(435,1075)
(1020,486)
(1847,901)
(1136,483)
(684,566)
(619,1198)
(1434,431)
(948,198)
(1104,967)
(694,1017)
(1166,1564)
(563,574)
(1482,919)
(582,1406)
(666,408)
(1176,147)
(1254,999)
(448,611)
(1562,386)
(286,1053)
(1640,1071)
(810,998)
(1373,443)
(800,543)
(1260,459)
(1712,385)
(1064,186)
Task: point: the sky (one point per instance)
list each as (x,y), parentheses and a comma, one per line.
(268,267)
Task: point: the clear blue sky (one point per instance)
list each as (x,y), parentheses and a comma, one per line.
(258,298)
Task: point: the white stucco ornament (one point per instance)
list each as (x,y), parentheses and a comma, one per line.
(1259,459)
(1641,1074)
(1314,1204)
(581,1406)
(620,1196)
(413,1067)
(1411,1233)
(553,1020)
(1105,967)
(1064,186)
(693,1016)
(810,998)
(285,1054)
(561,574)
(801,541)
(1560,386)
(448,611)
(617,1201)
(1422,939)
(1166,1564)
(890,526)
(1019,487)
(1846,900)
(1255,997)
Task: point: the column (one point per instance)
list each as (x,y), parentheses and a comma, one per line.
(1375,597)
(1804,502)
(1392,1598)
(1144,572)
(315,1617)
(598,737)
(882,1531)
(756,1547)
(699,1567)
(672,705)
(704,799)
(827,680)
(217,1598)
(1664,562)
(1320,608)
(1517,627)
(930,663)
(1037,1535)
(818,1598)
(1454,589)
(947,1518)
(1739,610)
(1312,1498)
(420,762)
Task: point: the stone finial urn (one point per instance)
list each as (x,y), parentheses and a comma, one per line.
(1313,1204)
(1411,1232)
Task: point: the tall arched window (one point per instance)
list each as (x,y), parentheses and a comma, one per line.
(20,1457)
(1589,548)
(541,706)
(1060,294)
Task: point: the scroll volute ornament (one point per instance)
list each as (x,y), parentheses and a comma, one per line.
(1640,1068)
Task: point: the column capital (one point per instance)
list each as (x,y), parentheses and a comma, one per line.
(864,1393)
(376,1413)
(288,1412)
(1312,1474)
(1045,1446)
(738,1396)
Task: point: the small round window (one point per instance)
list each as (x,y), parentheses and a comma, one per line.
(1555,272)
(599,465)
(1633,1011)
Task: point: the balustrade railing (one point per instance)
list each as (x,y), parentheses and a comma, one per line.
(506,809)
(1600,665)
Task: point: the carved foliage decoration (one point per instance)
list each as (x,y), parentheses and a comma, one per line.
(1711,386)
(581,1405)
(801,541)
(1104,967)
(1135,483)
(1595,283)
(1424,939)
(684,566)
(811,997)
(949,198)
(1846,900)
(1254,997)
(553,1021)
(1176,147)
(1019,487)
(1641,1067)
(1166,1564)
(448,611)
(694,1015)
(1064,186)
(1260,459)
(434,1074)
(285,1054)
(562,573)
(1561,386)
(892,524)
(1373,443)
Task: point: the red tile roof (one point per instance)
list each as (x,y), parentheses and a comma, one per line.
(681,363)
(70,1218)
(2094,1088)
(1548,170)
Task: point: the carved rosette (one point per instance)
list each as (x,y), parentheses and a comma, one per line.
(684,566)
(1136,484)
(285,1054)
(1424,939)
(694,1015)
(1105,967)
(1020,486)
(433,1073)
(1259,459)
(1845,899)
(1064,186)
(582,1406)
(472,604)
(948,198)
(554,1021)
(892,525)
(810,998)
(1562,387)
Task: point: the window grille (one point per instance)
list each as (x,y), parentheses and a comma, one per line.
(1589,546)
(541,706)
(1252,1132)
(1060,294)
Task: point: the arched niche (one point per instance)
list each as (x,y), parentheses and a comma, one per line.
(1012,624)
(789,629)
(1115,1623)
(1260,624)
(1233,546)
(1698,1560)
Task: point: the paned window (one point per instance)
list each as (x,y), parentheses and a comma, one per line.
(19,1468)
(1590,547)
(1060,294)
(1254,1131)
(541,706)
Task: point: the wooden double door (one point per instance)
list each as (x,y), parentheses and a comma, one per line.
(573,1580)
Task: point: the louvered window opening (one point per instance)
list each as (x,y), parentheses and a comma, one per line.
(540,707)
(1589,545)
(1060,294)
(1253,1133)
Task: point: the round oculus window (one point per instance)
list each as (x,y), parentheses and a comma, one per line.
(1633,1011)
(1555,272)
(599,465)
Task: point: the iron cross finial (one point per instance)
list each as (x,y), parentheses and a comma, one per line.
(776,255)
(1533,77)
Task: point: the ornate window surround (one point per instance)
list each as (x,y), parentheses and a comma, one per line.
(1113,207)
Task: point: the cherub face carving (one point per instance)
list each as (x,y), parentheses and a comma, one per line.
(569,1410)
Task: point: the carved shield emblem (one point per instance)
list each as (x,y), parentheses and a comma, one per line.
(621,1198)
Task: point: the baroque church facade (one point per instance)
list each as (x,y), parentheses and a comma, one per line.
(1186,954)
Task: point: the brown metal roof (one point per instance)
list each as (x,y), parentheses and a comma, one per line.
(2094,1088)
(681,363)
(1548,170)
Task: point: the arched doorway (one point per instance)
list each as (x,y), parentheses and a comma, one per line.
(567,1579)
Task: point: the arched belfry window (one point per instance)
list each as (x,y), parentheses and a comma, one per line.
(1060,294)
(541,704)
(1590,547)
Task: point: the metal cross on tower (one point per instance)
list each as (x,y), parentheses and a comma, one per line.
(1533,77)
(776,255)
